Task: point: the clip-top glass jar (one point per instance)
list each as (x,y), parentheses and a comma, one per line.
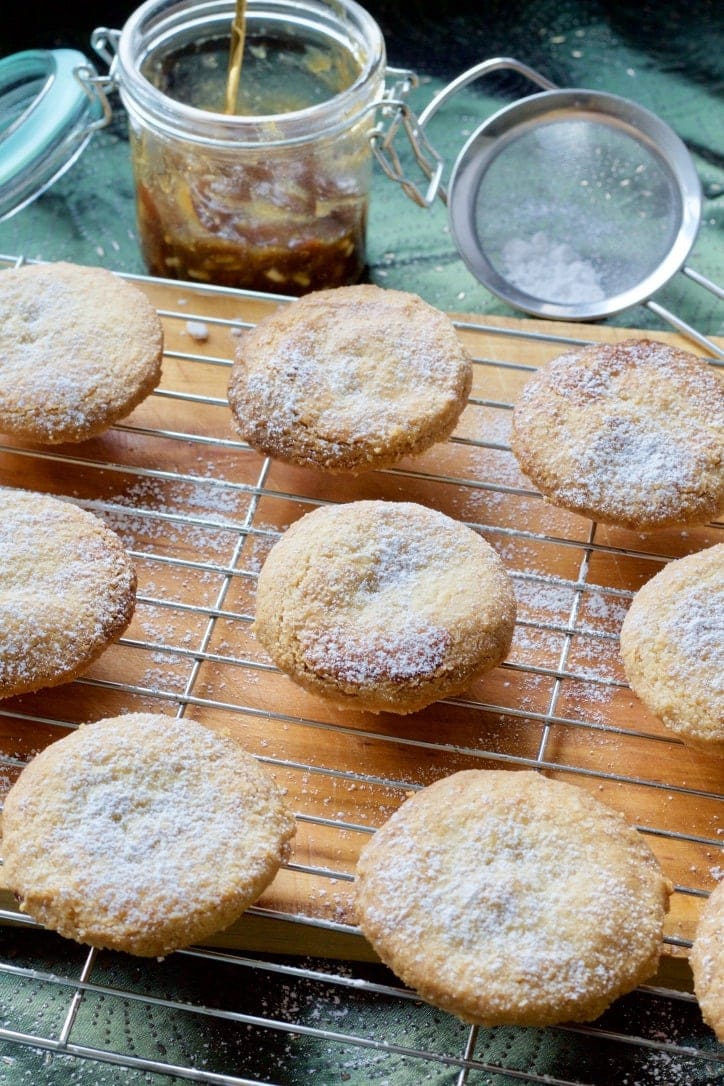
(274,197)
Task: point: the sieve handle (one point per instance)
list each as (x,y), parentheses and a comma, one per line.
(485,67)
(686,329)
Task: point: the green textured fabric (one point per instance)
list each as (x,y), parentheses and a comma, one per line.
(209,1017)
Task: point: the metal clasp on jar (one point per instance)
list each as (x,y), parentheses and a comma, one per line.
(398,115)
(394,106)
(104,41)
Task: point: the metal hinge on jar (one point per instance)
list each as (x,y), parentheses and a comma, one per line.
(394,106)
(397,115)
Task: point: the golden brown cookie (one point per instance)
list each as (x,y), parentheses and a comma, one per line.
(630,434)
(509,899)
(349,379)
(79,349)
(68,589)
(142,833)
(707,961)
(383,606)
(672,646)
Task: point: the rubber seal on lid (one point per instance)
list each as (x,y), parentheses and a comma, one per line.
(47,116)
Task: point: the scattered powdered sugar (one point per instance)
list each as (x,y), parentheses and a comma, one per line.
(221,504)
(534,645)
(595,659)
(198,330)
(605,607)
(189,516)
(694,626)
(627,456)
(357,657)
(538,595)
(651,456)
(400,553)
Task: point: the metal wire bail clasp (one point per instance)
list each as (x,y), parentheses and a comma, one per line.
(104,42)
(398,114)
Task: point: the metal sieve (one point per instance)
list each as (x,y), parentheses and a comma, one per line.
(569,204)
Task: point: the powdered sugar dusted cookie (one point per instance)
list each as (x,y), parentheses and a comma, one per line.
(349,379)
(67,590)
(630,434)
(383,606)
(79,349)
(142,833)
(672,646)
(707,961)
(507,898)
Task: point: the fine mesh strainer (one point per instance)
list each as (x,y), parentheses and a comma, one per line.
(570,204)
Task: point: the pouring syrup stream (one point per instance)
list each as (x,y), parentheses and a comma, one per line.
(236,53)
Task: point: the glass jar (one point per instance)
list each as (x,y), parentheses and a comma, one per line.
(274,198)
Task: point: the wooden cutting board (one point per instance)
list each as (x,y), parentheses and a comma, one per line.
(199,510)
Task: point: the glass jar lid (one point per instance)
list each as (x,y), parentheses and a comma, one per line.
(49,108)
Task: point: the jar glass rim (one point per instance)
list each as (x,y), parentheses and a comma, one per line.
(157,25)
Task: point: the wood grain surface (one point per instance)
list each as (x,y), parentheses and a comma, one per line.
(199,510)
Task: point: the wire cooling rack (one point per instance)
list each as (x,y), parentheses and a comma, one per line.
(292,994)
